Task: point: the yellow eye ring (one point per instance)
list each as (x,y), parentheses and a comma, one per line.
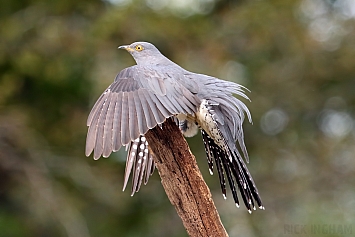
(139,47)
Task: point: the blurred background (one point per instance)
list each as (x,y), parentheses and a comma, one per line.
(296,56)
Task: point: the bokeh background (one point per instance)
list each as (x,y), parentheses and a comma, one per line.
(296,56)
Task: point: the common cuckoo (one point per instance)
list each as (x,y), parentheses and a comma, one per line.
(145,95)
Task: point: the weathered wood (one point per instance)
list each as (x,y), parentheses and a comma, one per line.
(183,182)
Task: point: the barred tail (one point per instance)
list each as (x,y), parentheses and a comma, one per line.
(140,159)
(233,167)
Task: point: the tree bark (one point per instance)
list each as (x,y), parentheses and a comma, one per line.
(183,182)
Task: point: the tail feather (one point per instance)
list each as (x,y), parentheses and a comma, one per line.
(214,152)
(231,164)
(228,164)
(242,184)
(150,168)
(140,160)
(253,188)
(209,152)
(229,172)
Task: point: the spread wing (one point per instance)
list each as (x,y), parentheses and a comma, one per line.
(138,100)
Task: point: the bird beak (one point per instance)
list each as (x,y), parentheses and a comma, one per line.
(126,47)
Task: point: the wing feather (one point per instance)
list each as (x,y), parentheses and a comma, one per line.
(97,105)
(133,119)
(174,101)
(100,129)
(157,116)
(138,100)
(142,125)
(162,109)
(91,136)
(125,138)
(149,117)
(116,128)
(167,104)
(109,126)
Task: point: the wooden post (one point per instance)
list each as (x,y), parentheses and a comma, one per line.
(183,182)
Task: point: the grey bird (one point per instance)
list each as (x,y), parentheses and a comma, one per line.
(145,95)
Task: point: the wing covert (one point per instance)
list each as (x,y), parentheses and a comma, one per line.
(138,100)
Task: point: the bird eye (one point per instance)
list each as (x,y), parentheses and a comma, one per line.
(139,47)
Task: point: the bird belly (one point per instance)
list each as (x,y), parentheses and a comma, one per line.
(206,121)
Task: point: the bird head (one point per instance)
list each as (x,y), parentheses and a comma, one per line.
(144,53)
